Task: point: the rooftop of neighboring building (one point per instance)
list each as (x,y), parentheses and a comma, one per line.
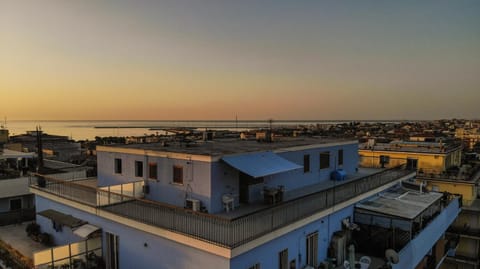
(13,154)
(474,206)
(413,146)
(231,146)
(401,202)
(466,173)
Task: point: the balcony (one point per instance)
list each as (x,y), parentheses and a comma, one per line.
(219,230)
(412,224)
(466,232)
(467,174)
(415,250)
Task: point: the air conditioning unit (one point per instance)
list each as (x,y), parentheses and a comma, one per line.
(192,204)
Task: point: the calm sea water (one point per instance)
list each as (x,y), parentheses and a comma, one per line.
(81,130)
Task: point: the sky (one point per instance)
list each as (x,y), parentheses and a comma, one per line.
(221,59)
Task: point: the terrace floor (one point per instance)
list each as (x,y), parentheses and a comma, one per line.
(15,236)
(245,209)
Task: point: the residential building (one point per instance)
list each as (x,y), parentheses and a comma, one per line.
(290,203)
(469,136)
(60,148)
(427,157)
(16,202)
(439,170)
(464,181)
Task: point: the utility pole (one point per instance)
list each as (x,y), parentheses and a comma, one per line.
(39,149)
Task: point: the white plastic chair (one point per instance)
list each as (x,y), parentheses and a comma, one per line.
(365,262)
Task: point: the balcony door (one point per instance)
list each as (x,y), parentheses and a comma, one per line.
(312,249)
(244,183)
(112,251)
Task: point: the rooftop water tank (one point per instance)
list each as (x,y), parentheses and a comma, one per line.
(338,175)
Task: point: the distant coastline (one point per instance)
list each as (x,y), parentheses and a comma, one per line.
(89,129)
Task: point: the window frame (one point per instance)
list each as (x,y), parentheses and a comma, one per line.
(340,157)
(323,160)
(311,251)
(177,176)
(139,169)
(154,175)
(15,200)
(306,163)
(283,259)
(117,165)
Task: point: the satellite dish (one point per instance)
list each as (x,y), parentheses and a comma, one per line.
(392,256)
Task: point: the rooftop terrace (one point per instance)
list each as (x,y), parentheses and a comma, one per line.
(230,146)
(226,230)
(416,147)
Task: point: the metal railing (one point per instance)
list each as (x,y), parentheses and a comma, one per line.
(215,229)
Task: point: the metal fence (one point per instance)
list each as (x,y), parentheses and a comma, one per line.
(215,229)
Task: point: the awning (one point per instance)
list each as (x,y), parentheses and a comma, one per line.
(86,230)
(13,154)
(60,218)
(260,164)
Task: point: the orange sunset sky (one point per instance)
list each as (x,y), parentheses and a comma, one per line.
(62,60)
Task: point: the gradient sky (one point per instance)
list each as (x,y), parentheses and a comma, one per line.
(202,59)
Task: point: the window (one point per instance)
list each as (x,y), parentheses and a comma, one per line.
(118,166)
(324,160)
(412,164)
(138,169)
(152,170)
(15,204)
(340,157)
(312,249)
(306,163)
(178,174)
(283,259)
(384,159)
(255,266)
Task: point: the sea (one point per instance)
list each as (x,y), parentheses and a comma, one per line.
(89,129)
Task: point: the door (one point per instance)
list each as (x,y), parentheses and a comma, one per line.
(111,251)
(244,182)
(312,249)
(243,187)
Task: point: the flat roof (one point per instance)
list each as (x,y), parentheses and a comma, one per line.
(414,147)
(402,203)
(13,154)
(220,147)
